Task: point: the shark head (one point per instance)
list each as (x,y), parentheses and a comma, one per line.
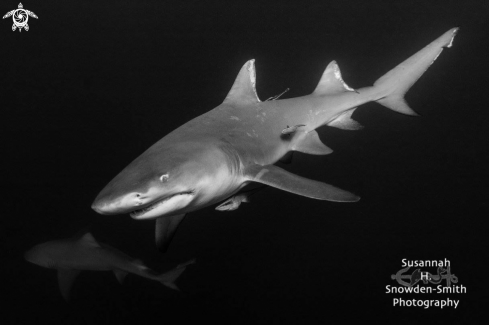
(167,180)
(45,255)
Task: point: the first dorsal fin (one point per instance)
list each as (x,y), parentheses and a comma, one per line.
(89,240)
(243,90)
(331,81)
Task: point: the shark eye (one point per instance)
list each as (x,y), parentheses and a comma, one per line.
(164,177)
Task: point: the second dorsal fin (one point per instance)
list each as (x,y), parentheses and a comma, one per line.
(331,81)
(243,90)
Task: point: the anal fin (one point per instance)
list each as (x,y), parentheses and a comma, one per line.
(279,178)
(165,230)
(345,122)
(397,104)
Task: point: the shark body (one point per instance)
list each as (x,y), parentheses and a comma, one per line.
(71,256)
(212,157)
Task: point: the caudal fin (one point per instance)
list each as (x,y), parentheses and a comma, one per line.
(395,83)
(168,279)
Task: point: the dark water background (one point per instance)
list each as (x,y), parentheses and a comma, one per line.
(92,84)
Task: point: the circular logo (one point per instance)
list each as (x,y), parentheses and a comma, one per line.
(20,17)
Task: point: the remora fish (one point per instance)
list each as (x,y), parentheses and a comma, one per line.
(235,201)
(213,156)
(71,256)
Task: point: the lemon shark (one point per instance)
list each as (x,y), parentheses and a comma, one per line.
(213,156)
(71,256)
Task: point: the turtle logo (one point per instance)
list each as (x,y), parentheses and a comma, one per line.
(20,17)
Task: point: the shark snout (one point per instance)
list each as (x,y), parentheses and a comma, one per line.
(109,208)
(29,256)
(123,204)
(35,255)
(101,208)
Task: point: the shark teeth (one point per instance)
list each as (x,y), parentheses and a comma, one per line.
(140,212)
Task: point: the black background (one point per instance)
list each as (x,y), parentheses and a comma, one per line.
(92,84)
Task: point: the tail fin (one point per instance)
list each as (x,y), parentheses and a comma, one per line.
(168,279)
(395,83)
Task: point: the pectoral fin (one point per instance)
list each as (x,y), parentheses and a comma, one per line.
(65,281)
(277,177)
(165,230)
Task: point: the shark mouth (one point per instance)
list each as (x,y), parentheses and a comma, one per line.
(136,214)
